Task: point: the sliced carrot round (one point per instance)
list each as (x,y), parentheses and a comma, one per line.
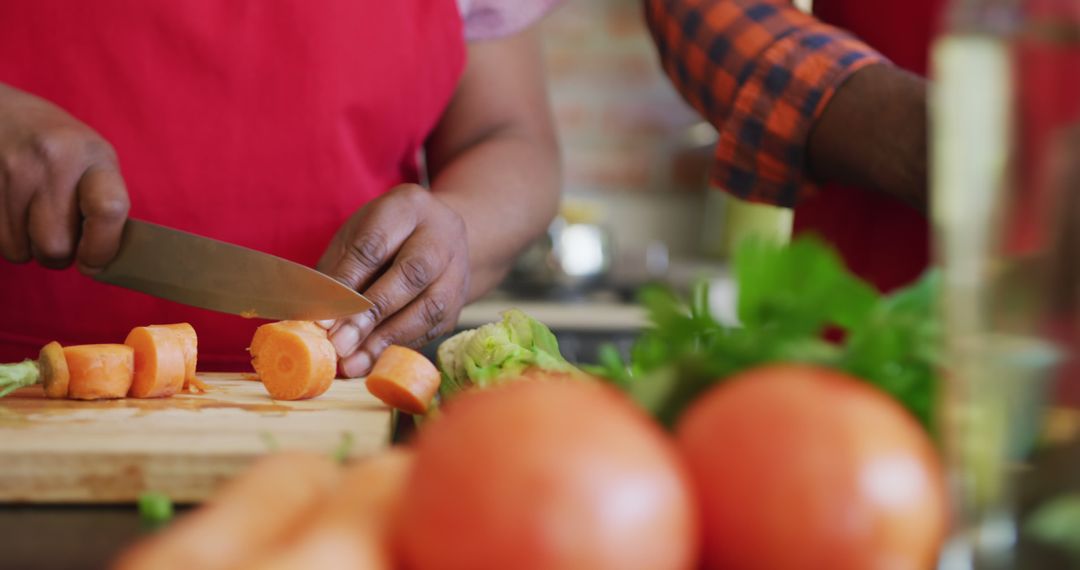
(190,343)
(404,379)
(294,362)
(99,371)
(159,362)
(54,370)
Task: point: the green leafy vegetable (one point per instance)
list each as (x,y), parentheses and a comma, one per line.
(1058,524)
(155,509)
(269,440)
(498,351)
(341,452)
(789,297)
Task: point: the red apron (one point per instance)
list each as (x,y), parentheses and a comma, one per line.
(264,124)
(880,238)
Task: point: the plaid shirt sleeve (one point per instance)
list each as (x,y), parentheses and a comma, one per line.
(761,71)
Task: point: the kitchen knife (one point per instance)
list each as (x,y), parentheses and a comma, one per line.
(211,274)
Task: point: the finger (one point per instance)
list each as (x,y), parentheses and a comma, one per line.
(104,204)
(17,184)
(53,218)
(348,333)
(421,261)
(422,321)
(374,242)
(53,226)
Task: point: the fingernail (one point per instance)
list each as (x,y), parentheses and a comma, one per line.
(364,322)
(357,365)
(326,324)
(345,339)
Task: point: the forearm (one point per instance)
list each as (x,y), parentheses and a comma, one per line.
(506,188)
(494,157)
(872,134)
(768,73)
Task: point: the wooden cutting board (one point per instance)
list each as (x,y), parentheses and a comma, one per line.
(62,451)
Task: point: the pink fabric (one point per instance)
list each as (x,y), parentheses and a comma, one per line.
(490,19)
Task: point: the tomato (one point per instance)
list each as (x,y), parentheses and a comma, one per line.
(803,467)
(539,474)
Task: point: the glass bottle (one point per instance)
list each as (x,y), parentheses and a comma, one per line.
(1005,107)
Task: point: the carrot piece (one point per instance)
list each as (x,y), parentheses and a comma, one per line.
(261,507)
(404,379)
(54,370)
(159,362)
(294,360)
(99,371)
(352,528)
(190,342)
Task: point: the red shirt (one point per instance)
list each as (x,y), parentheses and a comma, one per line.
(264,124)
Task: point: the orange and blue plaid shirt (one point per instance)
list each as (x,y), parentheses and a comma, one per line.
(761,72)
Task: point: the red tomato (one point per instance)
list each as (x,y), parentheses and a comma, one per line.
(803,467)
(542,474)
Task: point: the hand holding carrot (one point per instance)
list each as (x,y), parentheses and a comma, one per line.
(61,193)
(406,251)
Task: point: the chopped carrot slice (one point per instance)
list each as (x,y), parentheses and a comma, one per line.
(54,370)
(159,362)
(190,342)
(99,371)
(295,360)
(404,379)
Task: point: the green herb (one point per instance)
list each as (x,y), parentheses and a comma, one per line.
(155,509)
(269,440)
(341,452)
(789,297)
(1058,524)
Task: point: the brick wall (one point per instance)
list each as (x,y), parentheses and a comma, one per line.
(622,126)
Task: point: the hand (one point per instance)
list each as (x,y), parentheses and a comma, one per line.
(61,193)
(405,251)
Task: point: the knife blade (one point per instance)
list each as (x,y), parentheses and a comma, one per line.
(203,272)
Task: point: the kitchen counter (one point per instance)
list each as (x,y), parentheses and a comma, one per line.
(599,311)
(584,315)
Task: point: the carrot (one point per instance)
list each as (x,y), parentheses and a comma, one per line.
(294,360)
(404,379)
(352,529)
(99,371)
(54,370)
(261,507)
(159,362)
(190,342)
(50,369)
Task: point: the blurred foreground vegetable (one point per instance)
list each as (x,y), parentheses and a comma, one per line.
(547,474)
(351,529)
(258,509)
(798,466)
